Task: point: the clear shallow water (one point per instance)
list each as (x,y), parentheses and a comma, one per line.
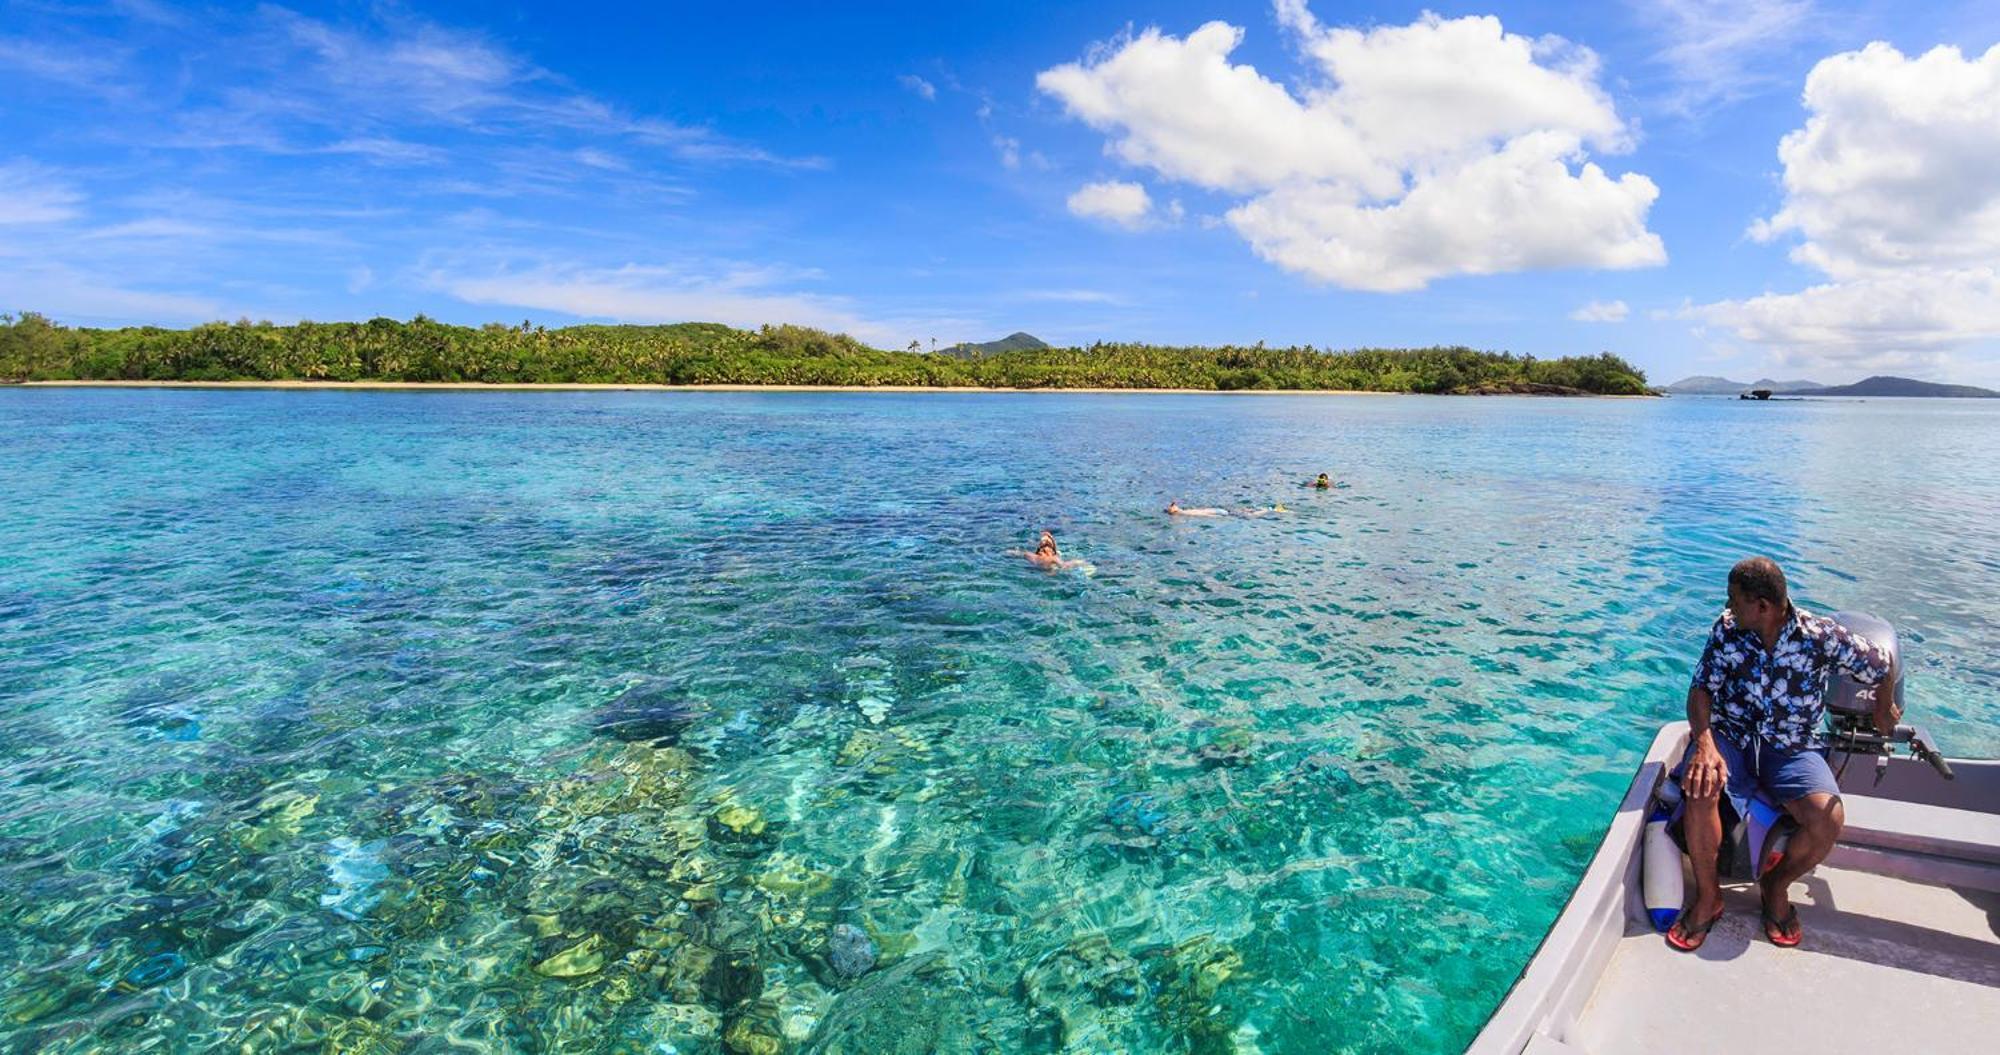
(304,703)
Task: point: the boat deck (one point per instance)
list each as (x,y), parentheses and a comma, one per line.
(1901,952)
(1887,965)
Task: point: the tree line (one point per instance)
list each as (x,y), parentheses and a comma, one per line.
(33,348)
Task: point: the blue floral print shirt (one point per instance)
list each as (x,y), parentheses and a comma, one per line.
(1776,695)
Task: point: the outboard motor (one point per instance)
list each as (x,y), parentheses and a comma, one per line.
(1850,705)
(1848,702)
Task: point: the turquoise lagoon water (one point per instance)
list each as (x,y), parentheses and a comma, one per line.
(659,722)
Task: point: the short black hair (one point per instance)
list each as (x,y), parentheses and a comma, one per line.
(1759,578)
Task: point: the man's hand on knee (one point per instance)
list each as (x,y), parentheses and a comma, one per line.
(1706,773)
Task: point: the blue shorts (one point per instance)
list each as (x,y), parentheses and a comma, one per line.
(1782,776)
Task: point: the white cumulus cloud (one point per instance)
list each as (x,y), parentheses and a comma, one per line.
(1881,322)
(1896,164)
(1124,204)
(1893,192)
(1602,311)
(1444,147)
(920,86)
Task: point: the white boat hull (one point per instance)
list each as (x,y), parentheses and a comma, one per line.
(1902,941)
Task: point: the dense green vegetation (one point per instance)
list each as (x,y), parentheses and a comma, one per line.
(33,348)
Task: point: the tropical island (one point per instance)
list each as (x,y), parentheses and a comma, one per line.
(423,350)
(1901,387)
(1879,385)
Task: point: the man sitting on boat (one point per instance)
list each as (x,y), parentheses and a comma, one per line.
(1755,708)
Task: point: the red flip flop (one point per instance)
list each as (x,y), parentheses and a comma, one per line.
(1780,930)
(1698,934)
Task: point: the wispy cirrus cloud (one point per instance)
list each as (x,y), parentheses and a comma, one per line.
(160,255)
(79,294)
(96,69)
(149,11)
(35,194)
(384,149)
(403,72)
(737,295)
(1071,296)
(1602,311)
(390,88)
(695,143)
(155,227)
(1719,51)
(601,159)
(280,131)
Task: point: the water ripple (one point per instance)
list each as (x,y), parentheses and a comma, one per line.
(603,721)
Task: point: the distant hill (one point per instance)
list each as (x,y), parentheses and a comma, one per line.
(1013,342)
(1882,385)
(1705,385)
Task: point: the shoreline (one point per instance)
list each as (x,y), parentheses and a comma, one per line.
(578,386)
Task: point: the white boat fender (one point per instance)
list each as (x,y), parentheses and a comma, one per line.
(1661,866)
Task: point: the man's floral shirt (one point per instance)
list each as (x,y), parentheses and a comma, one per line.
(1776,695)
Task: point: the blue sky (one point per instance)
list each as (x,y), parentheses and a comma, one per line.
(1546,178)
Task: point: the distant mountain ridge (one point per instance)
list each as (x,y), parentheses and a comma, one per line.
(1013,342)
(1706,385)
(1884,385)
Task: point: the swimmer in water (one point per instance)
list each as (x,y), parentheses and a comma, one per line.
(1176,509)
(1322,483)
(1047,555)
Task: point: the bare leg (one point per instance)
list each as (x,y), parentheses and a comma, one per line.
(1703,822)
(1820,819)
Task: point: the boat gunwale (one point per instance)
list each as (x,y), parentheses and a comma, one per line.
(1581,940)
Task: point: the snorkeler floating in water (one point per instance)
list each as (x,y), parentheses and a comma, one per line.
(1175,509)
(1046,555)
(1322,483)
